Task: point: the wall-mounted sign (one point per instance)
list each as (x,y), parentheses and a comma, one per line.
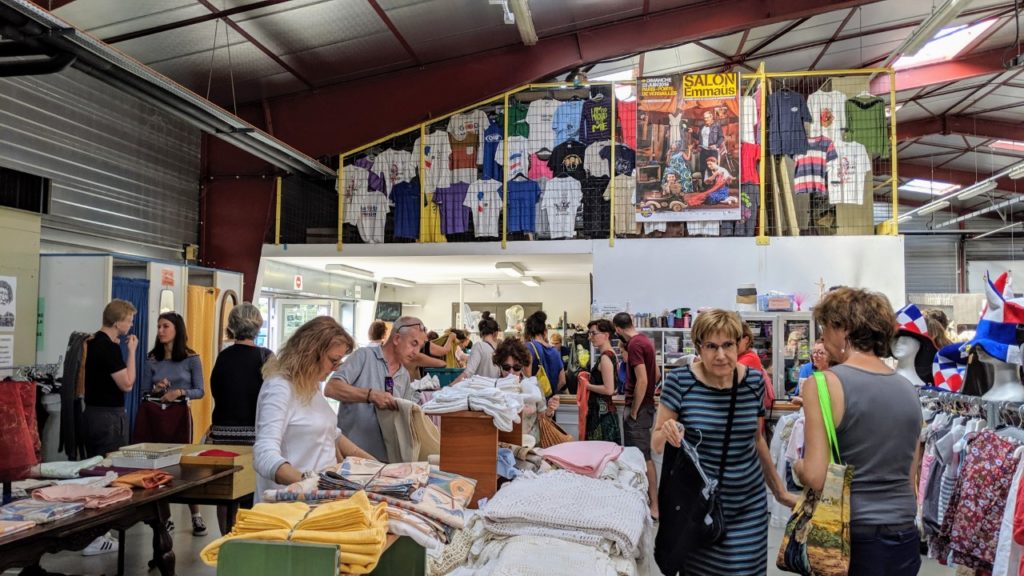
(8,302)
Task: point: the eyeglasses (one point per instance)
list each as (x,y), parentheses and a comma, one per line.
(819,353)
(592,334)
(413,325)
(389,384)
(511,367)
(713,348)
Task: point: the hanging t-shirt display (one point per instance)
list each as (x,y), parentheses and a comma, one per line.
(596,121)
(626,119)
(787,112)
(592,159)
(540,117)
(865,117)
(523,195)
(484,204)
(562,197)
(406,198)
(596,207)
(490,150)
(566,122)
(750,155)
(454,214)
(846,174)
(517,122)
(625,159)
(396,166)
(375,183)
(748,119)
(430,220)
(356,182)
(567,159)
(472,122)
(518,148)
(539,167)
(810,173)
(436,172)
(372,211)
(624,204)
(828,114)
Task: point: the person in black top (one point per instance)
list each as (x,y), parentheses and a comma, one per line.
(107,378)
(602,417)
(235,384)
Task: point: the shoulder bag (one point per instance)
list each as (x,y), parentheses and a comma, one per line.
(690,504)
(817,537)
(542,376)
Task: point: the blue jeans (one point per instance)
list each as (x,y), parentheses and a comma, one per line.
(879,551)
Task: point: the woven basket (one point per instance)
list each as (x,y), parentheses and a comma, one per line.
(551,433)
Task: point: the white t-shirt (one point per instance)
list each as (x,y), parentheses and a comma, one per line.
(828,114)
(436,173)
(484,202)
(472,122)
(592,162)
(357,183)
(396,166)
(748,119)
(518,155)
(562,198)
(539,117)
(372,210)
(846,173)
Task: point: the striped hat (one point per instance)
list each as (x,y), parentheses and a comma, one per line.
(910,322)
(949,367)
(997,329)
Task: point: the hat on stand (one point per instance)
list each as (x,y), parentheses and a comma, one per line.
(949,367)
(911,322)
(997,329)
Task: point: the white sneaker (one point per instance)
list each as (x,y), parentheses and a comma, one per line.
(101,545)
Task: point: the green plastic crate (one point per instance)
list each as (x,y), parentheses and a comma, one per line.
(444,375)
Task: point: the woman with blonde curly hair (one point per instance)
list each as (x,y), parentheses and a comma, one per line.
(296,431)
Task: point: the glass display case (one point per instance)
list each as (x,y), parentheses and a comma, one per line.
(798,337)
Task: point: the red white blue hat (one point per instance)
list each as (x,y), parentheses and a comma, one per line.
(949,367)
(997,329)
(911,322)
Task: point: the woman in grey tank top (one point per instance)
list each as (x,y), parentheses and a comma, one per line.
(878,420)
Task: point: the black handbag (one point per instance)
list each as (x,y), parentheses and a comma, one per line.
(689,501)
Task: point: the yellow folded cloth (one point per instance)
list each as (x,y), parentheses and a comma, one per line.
(356,526)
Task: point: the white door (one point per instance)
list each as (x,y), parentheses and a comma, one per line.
(290,314)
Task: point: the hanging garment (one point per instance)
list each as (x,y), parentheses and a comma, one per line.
(408,434)
(201,323)
(674,121)
(866,123)
(17,425)
(430,220)
(1008,551)
(73,377)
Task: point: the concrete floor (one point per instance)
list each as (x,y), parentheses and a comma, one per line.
(187,548)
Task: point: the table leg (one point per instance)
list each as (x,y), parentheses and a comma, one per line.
(120,552)
(229,522)
(163,545)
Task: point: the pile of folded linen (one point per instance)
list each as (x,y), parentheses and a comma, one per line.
(430,515)
(38,511)
(600,459)
(90,496)
(504,407)
(527,459)
(8,527)
(394,480)
(356,526)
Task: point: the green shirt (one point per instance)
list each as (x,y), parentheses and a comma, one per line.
(517,125)
(865,123)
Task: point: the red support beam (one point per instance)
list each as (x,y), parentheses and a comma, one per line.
(970,66)
(955,176)
(960,125)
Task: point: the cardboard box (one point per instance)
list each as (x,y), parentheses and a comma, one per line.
(235,486)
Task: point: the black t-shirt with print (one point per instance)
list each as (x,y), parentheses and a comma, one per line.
(567,159)
(625,158)
(103,359)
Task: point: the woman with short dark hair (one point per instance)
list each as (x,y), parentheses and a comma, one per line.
(513,359)
(867,398)
(481,358)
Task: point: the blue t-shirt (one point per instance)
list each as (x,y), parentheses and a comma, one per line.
(492,139)
(523,196)
(406,196)
(566,122)
(551,358)
(805,372)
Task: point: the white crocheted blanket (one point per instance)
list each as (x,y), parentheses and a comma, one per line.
(537,556)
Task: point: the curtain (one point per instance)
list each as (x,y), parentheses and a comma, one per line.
(201,323)
(135,291)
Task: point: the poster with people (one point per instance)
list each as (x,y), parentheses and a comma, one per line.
(688,148)
(8,302)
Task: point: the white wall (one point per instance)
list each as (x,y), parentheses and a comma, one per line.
(75,288)
(436,300)
(651,276)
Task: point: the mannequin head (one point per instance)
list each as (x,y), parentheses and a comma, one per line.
(1005,384)
(904,347)
(914,355)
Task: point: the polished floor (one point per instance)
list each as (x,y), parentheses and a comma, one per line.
(187,547)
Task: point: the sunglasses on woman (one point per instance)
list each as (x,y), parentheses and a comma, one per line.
(511,367)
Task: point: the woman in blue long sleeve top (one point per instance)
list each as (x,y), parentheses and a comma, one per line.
(174,371)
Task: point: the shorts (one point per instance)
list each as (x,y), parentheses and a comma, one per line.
(638,432)
(106,429)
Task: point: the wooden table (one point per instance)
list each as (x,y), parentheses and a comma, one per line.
(152,507)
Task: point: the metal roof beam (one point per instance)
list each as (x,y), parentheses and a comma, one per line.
(190,21)
(959,177)
(959,125)
(969,66)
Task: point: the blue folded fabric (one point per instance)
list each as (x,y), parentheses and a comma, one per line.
(39,511)
(507,464)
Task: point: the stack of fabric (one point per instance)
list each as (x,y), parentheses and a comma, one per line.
(588,458)
(502,398)
(527,459)
(357,527)
(145,479)
(8,527)
(39,511)
(88,495)
(394,480)
(430,515)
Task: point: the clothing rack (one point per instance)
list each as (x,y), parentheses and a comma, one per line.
(995,411)
(28,372)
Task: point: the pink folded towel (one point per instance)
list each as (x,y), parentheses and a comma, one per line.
(90,496)
(587,458)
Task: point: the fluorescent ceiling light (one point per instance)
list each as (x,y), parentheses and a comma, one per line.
(905,218)
(931,39)
(934,207)
(976,190)
(1014,145)
(933,187)
(531,281)
(621,76)
(349,271)
(997,230)
(398,282)
(1017,173)
(510,268)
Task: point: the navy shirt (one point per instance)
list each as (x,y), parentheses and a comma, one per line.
(787,112)
(550,357)
(406,196)
(625,158)
(523,196)
(492,139)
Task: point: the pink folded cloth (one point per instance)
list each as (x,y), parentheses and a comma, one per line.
(90,496)
(587,458)
(13,526)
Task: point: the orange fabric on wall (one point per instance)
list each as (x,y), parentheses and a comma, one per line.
(201,323)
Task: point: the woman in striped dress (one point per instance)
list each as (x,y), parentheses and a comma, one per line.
(698,397)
